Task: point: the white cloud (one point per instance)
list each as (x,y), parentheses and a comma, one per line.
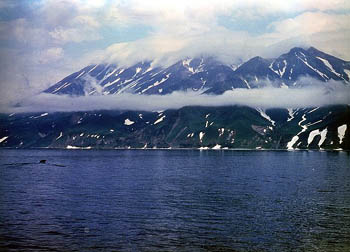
(64,35)
(179,29)
(7,4)
(310,23)
(23,31)
(202,11)
(38,41)
(268,97)
(327,32)
(25,73)
(49,55)
(181,32)
(88,21)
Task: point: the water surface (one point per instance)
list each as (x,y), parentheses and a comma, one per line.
(179,200)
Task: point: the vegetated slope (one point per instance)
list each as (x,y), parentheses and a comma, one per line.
(188,127)
(191,127)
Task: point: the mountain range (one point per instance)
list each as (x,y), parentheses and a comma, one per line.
(206,75)
(202,127)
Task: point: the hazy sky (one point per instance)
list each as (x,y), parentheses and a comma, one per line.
(42,41)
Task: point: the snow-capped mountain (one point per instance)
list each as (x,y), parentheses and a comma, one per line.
(204,75)
(312,62)
(142,78)
(201,127)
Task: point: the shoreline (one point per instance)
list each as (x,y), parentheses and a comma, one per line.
(88,148)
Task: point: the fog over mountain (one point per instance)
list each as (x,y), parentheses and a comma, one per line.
(298,78)
(269,97)
(175,74)
(44,41)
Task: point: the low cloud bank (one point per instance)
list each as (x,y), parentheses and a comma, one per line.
(268,97)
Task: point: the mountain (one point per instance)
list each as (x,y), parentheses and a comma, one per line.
(142,78)
(312,62)
(206,75)
(191,127)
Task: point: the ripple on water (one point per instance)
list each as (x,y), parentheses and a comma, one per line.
(174,201)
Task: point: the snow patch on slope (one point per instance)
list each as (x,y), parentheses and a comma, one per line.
(325,77)
(217,147)
(341,132)
(61,134)
(159,120)
(291,113)
(201,135)
(80,74)
(295,138)
(347,73)
(281,72)
(246,82)
(71,147)
(156,83)
(111,83)
(42,115)
(3,139)
(66,84)
(329,66)
(291,143)
(317,132)
(277,72)
(138,69)
(128,122)
(263,114)
(92,69)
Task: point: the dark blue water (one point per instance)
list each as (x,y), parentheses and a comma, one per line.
(174,200)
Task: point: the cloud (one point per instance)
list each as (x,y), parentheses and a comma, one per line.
(50,55)
(327,32)
(58,37)
(207,10)
(53,22)
(189,30)
(65,35)
(310,23)
(24,73)
(87,21)
(7,4)
(24,32)
(311,95)
(33,48)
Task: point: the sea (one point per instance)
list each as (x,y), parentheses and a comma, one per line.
(174,200)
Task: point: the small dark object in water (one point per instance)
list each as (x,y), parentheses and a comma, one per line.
(40,162)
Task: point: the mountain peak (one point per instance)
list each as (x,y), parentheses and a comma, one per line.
(311,48)
(314,50)
(297,49)
(203,73)
(256,58)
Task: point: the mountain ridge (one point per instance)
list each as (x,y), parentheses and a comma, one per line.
(200,127)
(204,74)
(226,127)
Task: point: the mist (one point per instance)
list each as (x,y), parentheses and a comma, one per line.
(268,97)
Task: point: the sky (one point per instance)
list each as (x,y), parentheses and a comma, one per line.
(42,41)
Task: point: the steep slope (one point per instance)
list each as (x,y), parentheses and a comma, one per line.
(204,75)
(188,127)
(312,62)
(143,78)
(191,127)
(254,71)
